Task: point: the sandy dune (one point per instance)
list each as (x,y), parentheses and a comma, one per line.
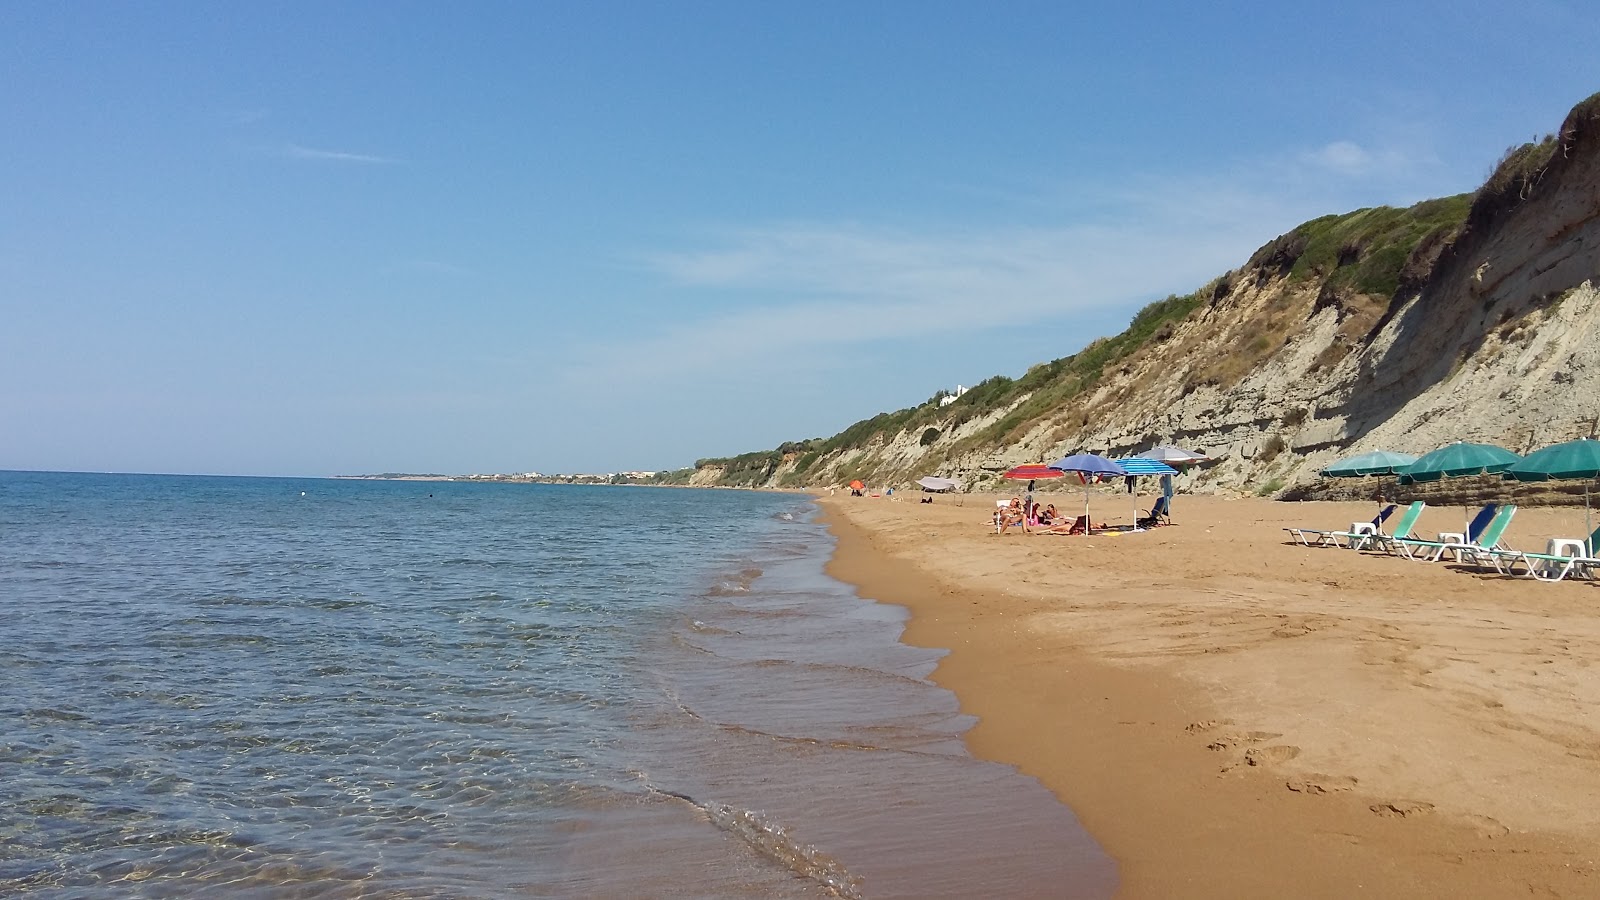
(1232,715)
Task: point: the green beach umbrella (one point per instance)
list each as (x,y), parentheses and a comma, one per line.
(1378,462)
(1560,462)
(1571,461)
(1459,460)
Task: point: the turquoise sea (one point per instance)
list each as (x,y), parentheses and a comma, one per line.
(273,687)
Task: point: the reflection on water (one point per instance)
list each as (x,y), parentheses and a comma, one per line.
(418,690)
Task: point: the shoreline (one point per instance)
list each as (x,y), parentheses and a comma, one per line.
(1219,736)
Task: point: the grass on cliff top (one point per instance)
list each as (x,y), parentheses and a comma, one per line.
(1365,251)
(1050,385)
(1521,168)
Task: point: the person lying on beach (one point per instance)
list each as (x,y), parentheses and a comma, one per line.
(1009,516)
(1076,526)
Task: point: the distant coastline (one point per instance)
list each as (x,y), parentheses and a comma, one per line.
(526,478)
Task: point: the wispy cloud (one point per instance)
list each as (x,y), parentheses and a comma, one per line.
(297,151)
(808,288)
(1350,159)
(745,295)
(1341,156)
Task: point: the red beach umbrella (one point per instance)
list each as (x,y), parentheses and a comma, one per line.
(1032,472)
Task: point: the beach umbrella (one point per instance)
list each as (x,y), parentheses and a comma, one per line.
(1088,466)
(1143,465)
(1174,456)
(1378,462)
(1571,461)
(1030,473)
(1458,460)
(932,483)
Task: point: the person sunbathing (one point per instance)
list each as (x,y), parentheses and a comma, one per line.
(1009,516)
(1076,526)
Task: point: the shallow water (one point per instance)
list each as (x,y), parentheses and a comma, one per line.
(280,687)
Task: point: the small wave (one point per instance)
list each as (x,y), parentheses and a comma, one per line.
(773,841)
(234,600)
(335,605)
(733,585)
(56,715)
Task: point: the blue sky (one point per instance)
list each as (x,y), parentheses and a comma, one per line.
(360,237)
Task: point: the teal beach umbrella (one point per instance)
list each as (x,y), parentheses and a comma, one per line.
(1459,460)
(1378,462)
(1561,462)
(1571,461)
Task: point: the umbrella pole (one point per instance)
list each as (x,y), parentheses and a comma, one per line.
(1086,520)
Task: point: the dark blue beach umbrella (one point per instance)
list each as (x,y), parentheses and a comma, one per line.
(1088,465)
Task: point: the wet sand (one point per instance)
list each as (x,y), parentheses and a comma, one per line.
(1232,715)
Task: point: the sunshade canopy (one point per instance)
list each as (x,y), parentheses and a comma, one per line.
(1143,465)
(1173,455)
(1458,460)
(856,485)
(1378,462)
(933,483)
(1032,472)
(1088,464)
(1571,460)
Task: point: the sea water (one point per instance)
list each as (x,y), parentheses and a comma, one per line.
(274,687)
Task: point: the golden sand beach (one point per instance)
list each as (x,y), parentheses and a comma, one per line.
(1232,715)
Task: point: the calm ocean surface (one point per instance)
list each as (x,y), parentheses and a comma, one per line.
(300,687)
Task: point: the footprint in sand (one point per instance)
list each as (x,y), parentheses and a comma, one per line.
(1206,725)
(1267,756)
(1488,828)
(1229,741)
(1321,784)
(1402,809)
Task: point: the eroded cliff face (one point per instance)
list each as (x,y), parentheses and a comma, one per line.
(1493,335)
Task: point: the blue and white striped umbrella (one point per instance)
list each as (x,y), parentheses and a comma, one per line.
(1139,465)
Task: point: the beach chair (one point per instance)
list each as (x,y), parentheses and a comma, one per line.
(1550,566)
(1482,538)
(1387,542)
(1331,538)
(1159,514)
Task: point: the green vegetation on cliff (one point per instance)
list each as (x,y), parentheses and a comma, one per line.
(1364,263)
